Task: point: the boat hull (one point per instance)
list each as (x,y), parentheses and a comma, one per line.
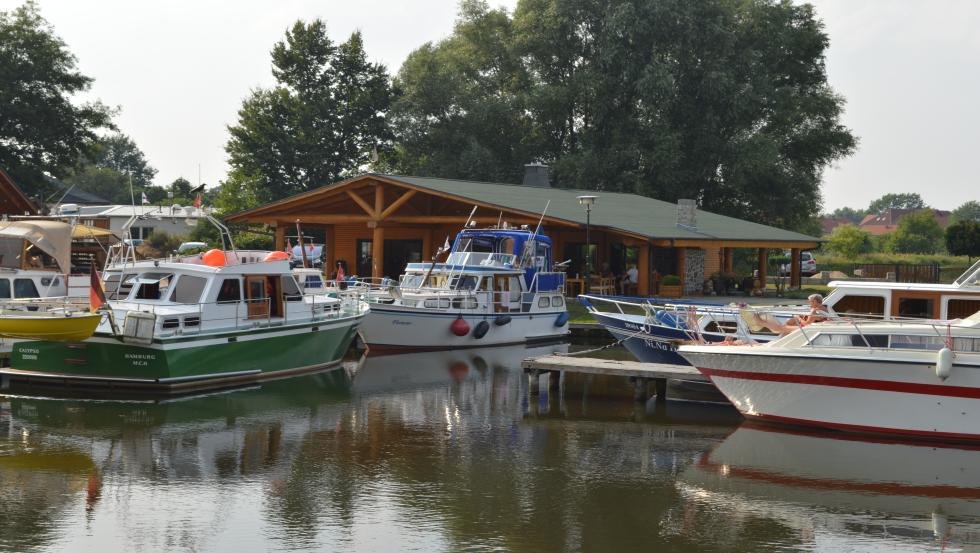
(392,328)
(877,395)
(25,326)
(187,361)
(648,343)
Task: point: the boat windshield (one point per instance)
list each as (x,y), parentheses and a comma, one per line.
(971,277)
(483,259)
(151,286)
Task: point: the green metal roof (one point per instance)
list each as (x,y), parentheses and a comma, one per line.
(627,212)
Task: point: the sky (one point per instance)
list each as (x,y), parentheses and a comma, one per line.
(178,71)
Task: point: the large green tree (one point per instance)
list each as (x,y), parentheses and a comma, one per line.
(968,211)
(319,123)
(849,241)
(41,129)
(853,215)
(963,238)
(726,102)
(917,233)
(910,200)
(109,166)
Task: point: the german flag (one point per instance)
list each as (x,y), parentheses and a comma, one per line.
(96,294)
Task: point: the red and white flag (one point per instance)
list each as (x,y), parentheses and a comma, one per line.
(96,293)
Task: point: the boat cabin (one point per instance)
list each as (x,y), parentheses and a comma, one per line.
(920,301)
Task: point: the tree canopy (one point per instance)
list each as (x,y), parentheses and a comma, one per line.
(968,211)
(106,170)
(317,125)
(917,233)
(963,238)
(849,241)
(41,129)
(725,102)
(909,200)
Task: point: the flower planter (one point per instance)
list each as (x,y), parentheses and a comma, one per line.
(671,290)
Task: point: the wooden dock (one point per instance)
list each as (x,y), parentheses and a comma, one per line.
(641,374)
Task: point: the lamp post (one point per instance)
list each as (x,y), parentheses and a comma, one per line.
(587,202)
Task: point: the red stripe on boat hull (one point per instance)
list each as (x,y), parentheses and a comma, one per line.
(842,382)
(876,430)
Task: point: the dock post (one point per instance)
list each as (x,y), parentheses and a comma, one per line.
(640,388)
(533,387)
(554,381)
(661,389)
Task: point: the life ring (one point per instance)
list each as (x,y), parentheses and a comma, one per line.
(481,329)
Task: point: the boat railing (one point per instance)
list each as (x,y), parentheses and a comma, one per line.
(941,330)
(464,300)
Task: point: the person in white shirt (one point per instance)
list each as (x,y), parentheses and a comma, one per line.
(630,280)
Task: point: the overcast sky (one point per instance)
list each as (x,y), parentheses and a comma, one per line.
(179,69)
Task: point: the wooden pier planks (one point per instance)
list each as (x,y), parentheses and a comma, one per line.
(611,367)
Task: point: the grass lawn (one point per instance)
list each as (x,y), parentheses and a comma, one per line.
(577,313)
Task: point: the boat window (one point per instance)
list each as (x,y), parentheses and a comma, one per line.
(230,291)
(544,301)
(850,340)
(441,303)
(48,281)
(25,288)
(313,281)
(860,305)
(463,282)
(290,290)
(557,301)
(152,286)
(960,309)
(188,289)
(918,342)
(4,288)
(919,308)
(464,303)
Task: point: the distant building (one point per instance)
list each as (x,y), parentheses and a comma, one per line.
(887,221)
(13,201)
(830,223)
(174,220)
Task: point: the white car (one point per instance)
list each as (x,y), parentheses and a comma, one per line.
(808,265)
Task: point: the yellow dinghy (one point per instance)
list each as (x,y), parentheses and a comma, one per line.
(63,326)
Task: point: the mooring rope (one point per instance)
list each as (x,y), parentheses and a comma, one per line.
(607,346)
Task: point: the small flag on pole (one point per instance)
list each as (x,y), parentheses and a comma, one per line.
(146,201)
(197,202)
(96,294)
(340,272)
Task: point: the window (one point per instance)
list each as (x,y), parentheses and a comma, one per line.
(544,301)
(860,305)
(230,291)
(290,290)
(463,283)
(25,288)
(557,301)
(152,286)
(850,340)
(919,308)
(4,288)
(958,309)
(918,342)
(188,289)
(313,281)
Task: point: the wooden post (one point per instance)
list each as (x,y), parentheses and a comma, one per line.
(554,381)
(640,388)
(280,236)
(681,265)
(533,385)
(661,389)
(330,263)
(427,243)
(377,251)
(763,266)
(643,286)
(794,269)
(729,260)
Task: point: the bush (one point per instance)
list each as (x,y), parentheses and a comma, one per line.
(963,238)
(849,241)
(917,233)
(671,280)
(163,242)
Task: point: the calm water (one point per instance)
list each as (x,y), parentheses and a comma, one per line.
(443,452)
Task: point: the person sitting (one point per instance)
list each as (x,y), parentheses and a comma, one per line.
(630,280)
(817,313)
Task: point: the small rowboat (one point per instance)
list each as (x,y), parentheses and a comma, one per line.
(57,326)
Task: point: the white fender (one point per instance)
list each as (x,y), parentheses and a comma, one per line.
(944,363)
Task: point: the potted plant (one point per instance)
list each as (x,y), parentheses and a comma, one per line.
(670,287)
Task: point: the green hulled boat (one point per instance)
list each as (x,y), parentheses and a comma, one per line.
(179,324)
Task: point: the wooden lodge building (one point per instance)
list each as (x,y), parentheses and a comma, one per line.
(377,223)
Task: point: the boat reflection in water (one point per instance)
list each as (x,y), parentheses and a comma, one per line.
(839,491)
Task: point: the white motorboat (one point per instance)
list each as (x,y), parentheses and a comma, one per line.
(913,378)
(496,287)
(649,327)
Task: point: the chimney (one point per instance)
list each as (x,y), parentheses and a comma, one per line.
(687,214)
(536,174)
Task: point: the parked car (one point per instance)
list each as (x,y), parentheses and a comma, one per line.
(808,265)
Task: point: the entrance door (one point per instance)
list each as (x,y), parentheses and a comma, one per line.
(255,294)
(364,262)
(399,253)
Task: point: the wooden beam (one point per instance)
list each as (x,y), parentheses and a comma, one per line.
(794,268)
(322,219)
(772,244)
(396,204)
(763,266)
(360,201)
(378,252)
(379,200)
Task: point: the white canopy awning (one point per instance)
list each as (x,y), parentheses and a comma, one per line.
(51,237)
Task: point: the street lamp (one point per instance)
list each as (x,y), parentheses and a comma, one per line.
(587,202)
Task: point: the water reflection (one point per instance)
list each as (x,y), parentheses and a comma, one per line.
(447,452)
(833,491)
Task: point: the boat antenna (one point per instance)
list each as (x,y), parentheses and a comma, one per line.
(529,245)
(500,218)
(299,237)
(538,228)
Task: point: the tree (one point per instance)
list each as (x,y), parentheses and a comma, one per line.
(108,166)
(897,201)
(853,215)
(320,122)
(917,233)
(963,238)
(849,241)
(41,129)
(725,102)
(969,211)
